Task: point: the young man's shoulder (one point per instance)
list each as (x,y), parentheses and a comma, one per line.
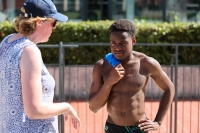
(99,63)
(139,54)
(145,58)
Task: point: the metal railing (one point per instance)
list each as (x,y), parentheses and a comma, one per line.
(174,64)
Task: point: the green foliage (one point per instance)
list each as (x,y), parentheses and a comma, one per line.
(5,29)
(86,31)
(97,32)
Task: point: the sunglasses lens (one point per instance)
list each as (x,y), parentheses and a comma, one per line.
(54,23)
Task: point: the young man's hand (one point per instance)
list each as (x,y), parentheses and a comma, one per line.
(148,125)
(116,74)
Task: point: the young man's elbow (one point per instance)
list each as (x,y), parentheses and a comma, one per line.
(93,106)
(93,109)
(172,89)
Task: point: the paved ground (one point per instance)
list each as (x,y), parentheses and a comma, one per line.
(188,118)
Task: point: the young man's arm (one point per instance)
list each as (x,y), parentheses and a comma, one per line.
(164,83)
(100,90)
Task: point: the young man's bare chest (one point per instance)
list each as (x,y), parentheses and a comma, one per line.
(132,81)
(127,95)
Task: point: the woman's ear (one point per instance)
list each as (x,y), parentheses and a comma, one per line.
(39,23)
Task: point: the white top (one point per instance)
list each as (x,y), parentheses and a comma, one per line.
(13,118)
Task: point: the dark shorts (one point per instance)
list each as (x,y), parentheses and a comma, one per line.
(112,128)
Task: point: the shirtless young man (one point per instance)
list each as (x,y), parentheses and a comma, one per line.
(122,87)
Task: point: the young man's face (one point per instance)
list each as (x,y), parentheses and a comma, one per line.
(121,44)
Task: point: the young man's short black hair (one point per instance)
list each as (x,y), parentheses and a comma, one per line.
(123,25)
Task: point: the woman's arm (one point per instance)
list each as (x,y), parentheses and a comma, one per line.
(31,66)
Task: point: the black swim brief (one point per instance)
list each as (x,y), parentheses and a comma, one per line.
(112,128)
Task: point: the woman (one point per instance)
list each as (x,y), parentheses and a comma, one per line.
(26,87)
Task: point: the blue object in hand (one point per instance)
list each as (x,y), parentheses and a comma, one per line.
(112,60)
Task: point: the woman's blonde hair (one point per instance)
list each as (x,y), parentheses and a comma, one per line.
(25,25)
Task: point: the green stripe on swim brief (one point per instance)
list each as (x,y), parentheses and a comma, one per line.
(132,129)
(128,129)
(106,128)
